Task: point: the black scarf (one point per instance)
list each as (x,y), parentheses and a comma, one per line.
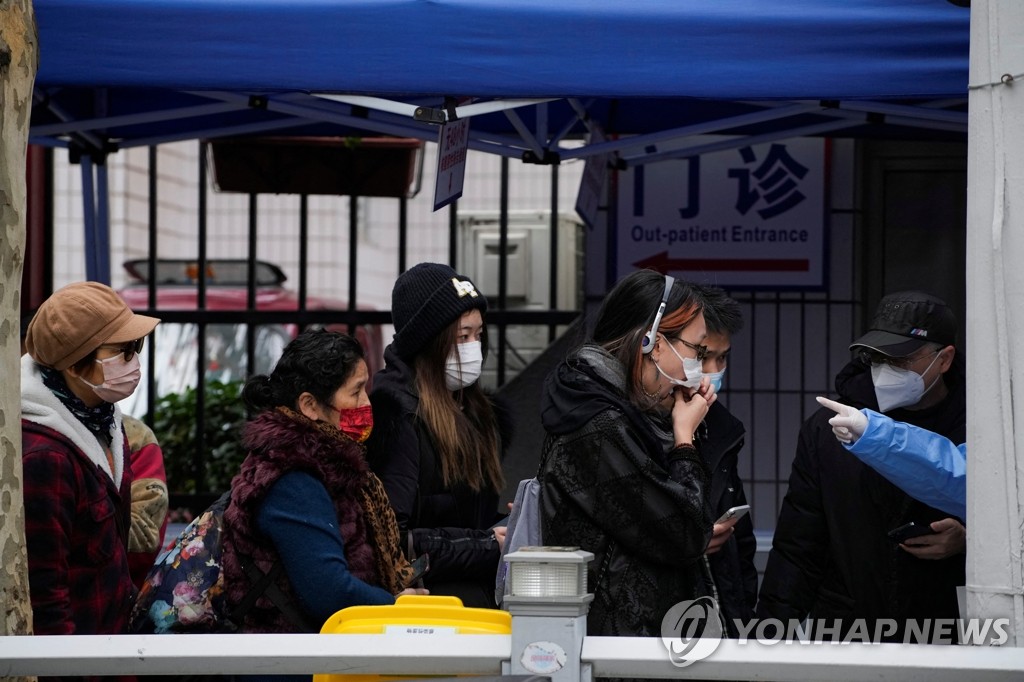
(99,419)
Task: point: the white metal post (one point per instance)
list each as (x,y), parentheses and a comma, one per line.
(548,641)
(547,597)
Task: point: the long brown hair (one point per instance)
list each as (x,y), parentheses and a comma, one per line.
(462,424)
(628,313)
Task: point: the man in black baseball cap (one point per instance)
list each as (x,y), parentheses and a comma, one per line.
(831,558)
(910,346)
(906,321)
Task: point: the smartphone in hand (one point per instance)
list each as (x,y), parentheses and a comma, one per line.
(420,567)
(734,512)
(910,530)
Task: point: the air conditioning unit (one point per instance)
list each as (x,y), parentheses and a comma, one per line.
(529,259)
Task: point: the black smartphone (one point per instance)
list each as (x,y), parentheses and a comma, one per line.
(420,566)
(910,530)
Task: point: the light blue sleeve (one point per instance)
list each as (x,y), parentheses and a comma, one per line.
(925,465)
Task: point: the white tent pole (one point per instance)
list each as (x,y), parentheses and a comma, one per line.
(375,103)
(995,314)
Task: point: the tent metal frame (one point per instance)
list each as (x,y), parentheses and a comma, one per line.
(420,120)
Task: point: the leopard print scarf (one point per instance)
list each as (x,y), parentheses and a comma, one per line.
(392,566)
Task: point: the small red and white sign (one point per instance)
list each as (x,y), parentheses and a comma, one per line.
(452,149)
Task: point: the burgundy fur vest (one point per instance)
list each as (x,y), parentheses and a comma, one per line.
(279,444)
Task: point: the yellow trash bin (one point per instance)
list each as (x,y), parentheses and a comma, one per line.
(413,611)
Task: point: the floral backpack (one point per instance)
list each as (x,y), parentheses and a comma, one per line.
(184,591)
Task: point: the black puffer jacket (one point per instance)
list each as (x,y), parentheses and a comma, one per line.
(831,558)
(451,524)
(733,565)
(606,488)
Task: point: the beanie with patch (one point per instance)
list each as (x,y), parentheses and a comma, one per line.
(427,299)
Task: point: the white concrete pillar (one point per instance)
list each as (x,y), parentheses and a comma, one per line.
(995,314)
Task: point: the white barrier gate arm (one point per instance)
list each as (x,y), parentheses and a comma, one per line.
(449,655)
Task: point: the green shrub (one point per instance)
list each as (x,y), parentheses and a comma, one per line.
(175,427)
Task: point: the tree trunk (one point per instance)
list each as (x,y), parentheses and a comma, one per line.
(19,48)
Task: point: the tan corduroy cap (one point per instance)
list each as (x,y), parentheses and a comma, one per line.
(78,319)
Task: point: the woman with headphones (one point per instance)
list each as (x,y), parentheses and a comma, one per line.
(620,472)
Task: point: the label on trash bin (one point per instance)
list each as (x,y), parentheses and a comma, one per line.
(419,630)
(543,658)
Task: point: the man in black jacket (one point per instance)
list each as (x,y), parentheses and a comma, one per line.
(732,547)
(831,558)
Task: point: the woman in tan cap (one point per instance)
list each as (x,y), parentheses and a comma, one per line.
(82,357)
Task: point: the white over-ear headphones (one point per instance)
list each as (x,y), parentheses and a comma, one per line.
(647,344)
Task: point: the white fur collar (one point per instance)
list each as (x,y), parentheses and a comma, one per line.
(40,406)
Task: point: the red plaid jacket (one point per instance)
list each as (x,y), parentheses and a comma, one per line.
(76,525)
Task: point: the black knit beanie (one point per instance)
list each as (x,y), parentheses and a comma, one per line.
(426,299)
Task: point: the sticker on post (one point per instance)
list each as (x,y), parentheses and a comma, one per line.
(543,658)
(419,630)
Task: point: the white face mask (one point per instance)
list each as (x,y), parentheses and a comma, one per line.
(716,379)
(895,387)
(464,364)
(692,367)
(120,378)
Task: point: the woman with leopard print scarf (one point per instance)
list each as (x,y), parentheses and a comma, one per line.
(305,497)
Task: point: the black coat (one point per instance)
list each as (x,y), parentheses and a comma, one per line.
(606,488)
(733,565)
(831,558)
(450,523)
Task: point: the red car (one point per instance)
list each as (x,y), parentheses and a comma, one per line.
(226,289)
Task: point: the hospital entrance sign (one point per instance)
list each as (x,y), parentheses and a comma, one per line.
(748,217)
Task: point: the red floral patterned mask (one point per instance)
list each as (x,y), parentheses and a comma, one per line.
(356,422)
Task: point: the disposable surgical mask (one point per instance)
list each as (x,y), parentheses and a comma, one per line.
(120,378)
(895,387)
(356,422)
(464,365)
(716,379)
(692,367)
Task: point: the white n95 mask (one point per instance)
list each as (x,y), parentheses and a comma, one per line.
(895,387)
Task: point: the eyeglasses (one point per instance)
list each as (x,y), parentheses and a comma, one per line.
(701,351)
(875,358)
(128,349)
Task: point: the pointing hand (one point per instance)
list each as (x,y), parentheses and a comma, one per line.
(849,423)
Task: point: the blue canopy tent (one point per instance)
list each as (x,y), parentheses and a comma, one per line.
(128,70)
(121,73)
